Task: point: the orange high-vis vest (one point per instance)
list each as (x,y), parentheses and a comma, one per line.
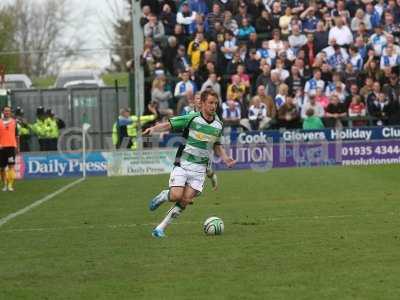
(8,133)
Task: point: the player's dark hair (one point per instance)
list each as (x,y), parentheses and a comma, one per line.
(5,106)
(206,93)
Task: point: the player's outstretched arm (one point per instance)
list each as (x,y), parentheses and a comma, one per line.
(220,152)
(158,128)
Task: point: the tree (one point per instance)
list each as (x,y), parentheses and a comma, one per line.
(41,31)
(8,28)
(121,37)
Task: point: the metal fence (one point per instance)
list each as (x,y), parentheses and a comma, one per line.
(99,106)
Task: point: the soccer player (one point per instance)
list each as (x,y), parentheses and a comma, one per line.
(202,133)
(8,149)
(210,172)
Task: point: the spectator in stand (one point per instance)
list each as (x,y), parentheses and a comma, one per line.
(230,23)
(355,59)
(390,40)
(354,91)
(311,121)
(337,60)
(160,97)
(198,6)
(373,15)
(321,37)
(154,29)
(284,22)
(212,83)
(389,24)
(310,50)
(244,77)
(357,109)
(266,53)
(190,106)
(184,89)
(361,47)
(236,90)
(297,39)
(146,12)
(168,18)
(252,64)
(288,115)
(310,21)
(276,14)
(215,16)
(390,58)
(272,85)
(268,101)
(185,16)
(372,68)
(255,8)
(231,68)
(281,97)
(199,25)
(360,18)
(253,41)
(373,96)
(341,11)
(378,40)
(243,14)
(276,44)
(229,47)
(336,86)
(231,113)
(151,54)
(264,77)
(317,108)
(257,117)
(353,5)
(335,111)
(280,70)
(321,98)
(264,24)
(380,6)
(380,109)
(295,81)
(245,29)
(171,50)
(196,50)
(341,33)
(314,83)
(392,88)
(181,61)
(367,87)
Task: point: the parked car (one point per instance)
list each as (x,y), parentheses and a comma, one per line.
(79,78)
(17,81)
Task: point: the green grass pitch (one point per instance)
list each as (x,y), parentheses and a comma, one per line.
(326,233)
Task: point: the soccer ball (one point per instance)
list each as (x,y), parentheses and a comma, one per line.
(213,226)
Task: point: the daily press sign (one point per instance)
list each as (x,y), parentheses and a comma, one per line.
(61,165)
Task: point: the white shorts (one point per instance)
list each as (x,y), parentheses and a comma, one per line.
(183,177)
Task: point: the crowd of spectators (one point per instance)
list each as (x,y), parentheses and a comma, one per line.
(276,64)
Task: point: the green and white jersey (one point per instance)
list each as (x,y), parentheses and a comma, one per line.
(201,136)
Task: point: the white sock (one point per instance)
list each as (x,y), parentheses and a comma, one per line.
(172,214)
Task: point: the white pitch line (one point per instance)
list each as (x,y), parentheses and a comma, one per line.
(38,202)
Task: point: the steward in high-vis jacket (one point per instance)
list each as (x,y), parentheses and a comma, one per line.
(124,132)
(52,131)
(23,130)
(39,129)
